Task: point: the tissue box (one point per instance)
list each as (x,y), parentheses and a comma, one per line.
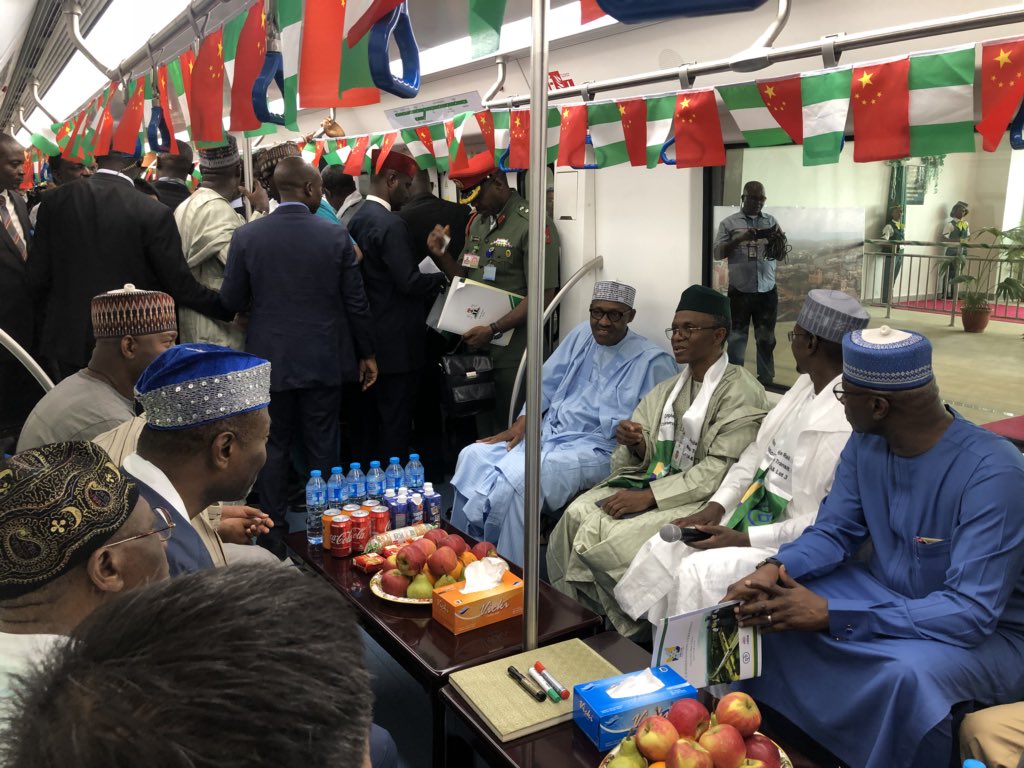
(460,613)
(607,720)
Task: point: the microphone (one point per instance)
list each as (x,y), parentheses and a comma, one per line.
(670,532)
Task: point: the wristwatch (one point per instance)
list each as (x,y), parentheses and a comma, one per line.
(768,561)
(495,333)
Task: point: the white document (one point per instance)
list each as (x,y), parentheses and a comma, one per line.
(428,267)
(469,304)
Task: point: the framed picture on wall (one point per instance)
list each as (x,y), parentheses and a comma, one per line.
(917,182)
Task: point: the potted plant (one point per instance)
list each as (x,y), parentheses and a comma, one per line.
(1005,248)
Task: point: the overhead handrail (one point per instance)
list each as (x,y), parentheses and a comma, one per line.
(35,100)
(26,359)
(499,80)
(73,20)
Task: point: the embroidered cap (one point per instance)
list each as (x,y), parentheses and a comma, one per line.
(831,314)
(609,290)
(194,384)
(129,311)
(224,156)
(264,161)
(887,358)
(58,504)
(700,298)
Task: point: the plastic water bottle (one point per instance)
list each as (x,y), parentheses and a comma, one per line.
(394,475)
(414,472)
(375,481)
(316,503)
(431,505)
(337,488)
(356,483)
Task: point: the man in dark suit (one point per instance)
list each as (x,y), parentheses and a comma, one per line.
(297,274)
(91,235)
(398,292)
(171,173)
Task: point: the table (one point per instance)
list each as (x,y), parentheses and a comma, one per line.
(560,746)
(425,649)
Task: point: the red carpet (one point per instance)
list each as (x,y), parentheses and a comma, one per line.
(1010,314)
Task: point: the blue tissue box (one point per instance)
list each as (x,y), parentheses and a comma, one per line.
(607,721)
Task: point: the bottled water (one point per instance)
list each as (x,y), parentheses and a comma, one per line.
(316,503)
(394,475)
(356,483)
(431,505)
(414,472)
(375,481)
(337,489)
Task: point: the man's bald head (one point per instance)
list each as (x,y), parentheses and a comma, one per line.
(298,182)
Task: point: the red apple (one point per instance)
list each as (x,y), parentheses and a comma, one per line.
(760,747)
(484,549)
(442,561)
(725,745)
(739,710)
(690,717)
(454,541)
(748,763)
(687,753)
(436,535)
(655,736)
(394,583)
(426,545)
(410,560)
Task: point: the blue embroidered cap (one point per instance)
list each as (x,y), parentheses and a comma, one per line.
(887,358)
(194,384)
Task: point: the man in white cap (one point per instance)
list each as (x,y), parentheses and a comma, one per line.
(594,379)
(882,654)
(769,496)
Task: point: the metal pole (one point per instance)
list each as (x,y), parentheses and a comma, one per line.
(247,173)
(26,359)
(534,312)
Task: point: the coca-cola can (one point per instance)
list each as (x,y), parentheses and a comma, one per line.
(348,509)
(369,504)
(380,519)
(341,536)
(362,530)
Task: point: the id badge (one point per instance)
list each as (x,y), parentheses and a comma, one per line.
(471,260)
(490,272)
(751,251)
(683,452)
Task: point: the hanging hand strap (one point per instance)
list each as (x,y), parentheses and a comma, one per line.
(396,23)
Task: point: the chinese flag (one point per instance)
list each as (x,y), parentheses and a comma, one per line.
(589,11)
(105,132)
(461,159)
(165,104)
(386,145)
(633,113)
(572,136)
(252,47)
(27,173)
(698,131)
(423,134)
(126,135)
(486,122)
(207,103)
(782,97)
(880,99)
(354,162)
(519,139)
(1002,86)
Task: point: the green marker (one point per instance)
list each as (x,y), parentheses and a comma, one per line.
(552,693)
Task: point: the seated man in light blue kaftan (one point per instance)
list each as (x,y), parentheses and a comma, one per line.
(871,658)
(593,380)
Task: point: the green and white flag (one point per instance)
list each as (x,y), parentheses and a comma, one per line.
(757,124)
(604,122)
(942,102)
(289,21)
(420,144)
(45,140)
(826,101)
(440,147)
(502,138)
(180,116)
(660,113)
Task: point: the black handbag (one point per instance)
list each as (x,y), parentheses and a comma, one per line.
(468,383)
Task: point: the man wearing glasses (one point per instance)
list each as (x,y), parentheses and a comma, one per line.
(76,533)
(674,451)
(594,378)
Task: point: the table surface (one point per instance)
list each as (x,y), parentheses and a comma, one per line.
(563,745)
(428,651)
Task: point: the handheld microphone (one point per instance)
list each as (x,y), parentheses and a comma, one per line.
(671,532)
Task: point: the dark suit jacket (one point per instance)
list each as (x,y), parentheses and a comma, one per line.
(396,288)
(171,193)
(298,273)
(424,212)
(94,235)
(186,552)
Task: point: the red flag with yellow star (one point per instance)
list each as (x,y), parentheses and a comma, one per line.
(207,102)
(1002,87)
(126,135)
(165,104)
(782,97)
(572,136)
(590,11)
(252,48)
(633,113)
(485,120)
(880,97)
(354,164)
(698,130)
(387,143)
(519,139)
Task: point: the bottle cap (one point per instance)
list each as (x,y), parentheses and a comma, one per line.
(414,457)
(316,473)
(427,486)
(389,492)
(374,465)
(335,470)
(394,460)
(355,465)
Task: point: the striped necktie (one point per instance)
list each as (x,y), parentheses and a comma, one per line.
(8,222)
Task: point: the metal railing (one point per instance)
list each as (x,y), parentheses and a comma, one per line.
(26,359)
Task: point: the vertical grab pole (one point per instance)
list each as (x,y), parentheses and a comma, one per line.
(247,173)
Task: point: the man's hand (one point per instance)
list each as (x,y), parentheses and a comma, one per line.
(436,240)
(629,433)
(332,128)
(743,235)
(720,537)
(786,606)
(478,336)
(257,197)
(753,586)
(367,372)
(629,503)
(238,524)
(711,515)
(511,436)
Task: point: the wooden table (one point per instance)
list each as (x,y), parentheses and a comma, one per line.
(425,649)
(560,746)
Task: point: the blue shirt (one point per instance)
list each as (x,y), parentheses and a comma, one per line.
(749,270)
(326,211)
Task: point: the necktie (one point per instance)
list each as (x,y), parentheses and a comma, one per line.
(8,222)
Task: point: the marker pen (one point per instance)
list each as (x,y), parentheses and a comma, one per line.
(552,694)
(518,676)
(549,678)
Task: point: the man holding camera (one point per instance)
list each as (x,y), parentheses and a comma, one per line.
(751,241)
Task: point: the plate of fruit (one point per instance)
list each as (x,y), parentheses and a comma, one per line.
(418,568)
(688,736)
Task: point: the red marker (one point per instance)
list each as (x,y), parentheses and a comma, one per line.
(562,692)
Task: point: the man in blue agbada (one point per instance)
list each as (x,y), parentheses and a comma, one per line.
(873,656)
(594,379)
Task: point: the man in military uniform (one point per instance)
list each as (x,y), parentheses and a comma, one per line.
(497,253)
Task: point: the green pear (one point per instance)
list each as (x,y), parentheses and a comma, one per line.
(629,756)
(421,588)
(444,581)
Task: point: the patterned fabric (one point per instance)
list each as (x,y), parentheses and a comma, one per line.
(264,161)
(887,358)
(7,220)
(700,298)
(224,156)
(831,314)
(193,384)
(609,290)
(58,504)
(132,312)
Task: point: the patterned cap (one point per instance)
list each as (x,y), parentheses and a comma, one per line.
(609,290)
(129,311)
(264,161)
(193,384)
(700,298)
(887,358)
(224,156)
(58,504)
(831,314)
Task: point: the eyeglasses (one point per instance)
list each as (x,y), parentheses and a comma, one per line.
(841,394)
(613,315)
(793,334)
(687,330)
(163,530)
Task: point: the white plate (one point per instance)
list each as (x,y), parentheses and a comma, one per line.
(785,763)
(376,589)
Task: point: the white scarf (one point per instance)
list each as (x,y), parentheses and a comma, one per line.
(685,447)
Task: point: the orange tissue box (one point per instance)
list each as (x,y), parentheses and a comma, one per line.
(460,613)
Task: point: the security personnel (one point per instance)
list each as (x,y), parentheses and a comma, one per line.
(497,253)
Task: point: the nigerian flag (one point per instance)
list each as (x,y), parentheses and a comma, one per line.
(826,101)
(420,144)
(660,113)
(942,101)
(289,21)
(755,121)
(502,138)
(604,122)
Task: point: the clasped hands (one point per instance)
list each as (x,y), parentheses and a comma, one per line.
(772,600)
(238,524)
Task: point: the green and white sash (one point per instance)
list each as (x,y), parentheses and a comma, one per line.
(771,490)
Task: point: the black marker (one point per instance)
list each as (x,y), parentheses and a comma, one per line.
(520,678)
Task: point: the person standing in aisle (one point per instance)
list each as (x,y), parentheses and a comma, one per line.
(172,171)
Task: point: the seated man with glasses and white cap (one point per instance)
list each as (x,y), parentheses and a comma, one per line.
(878,657)
(769,496)
(594,379)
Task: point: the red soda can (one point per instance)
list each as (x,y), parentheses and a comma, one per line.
(348,509)
(361,530)
(380,519)
(369,504)
(341,536)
